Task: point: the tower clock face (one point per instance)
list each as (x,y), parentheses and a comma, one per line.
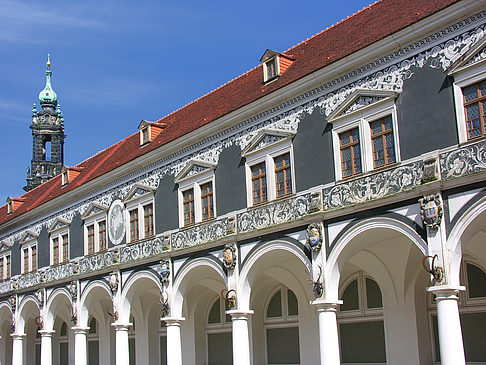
(116,221)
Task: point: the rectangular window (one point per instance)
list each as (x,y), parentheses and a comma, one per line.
(259,183)
(283,178)
(475,109)
(207,201)
(148,220)
(34,258)
(350,152)
(1,269)
(102,235)
(7,259)
(91,240)
(145,135)
(134,225)
(65,248)
(189,211)
(383,142)
(25,254)
(55,251)
(271,69)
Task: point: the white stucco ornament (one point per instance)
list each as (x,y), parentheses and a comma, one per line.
(116,222)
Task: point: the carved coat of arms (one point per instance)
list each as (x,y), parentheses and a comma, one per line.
(431,210)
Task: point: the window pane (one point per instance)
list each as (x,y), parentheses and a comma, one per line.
(293,303)
(214,313)
(283,345)
(93,352)
(476,280)
(350,297)
(63,353)
(363,342)
(207,200)
(473,327)
(275,306)
(373,294)
(220,348)
(470,93)
(163,350)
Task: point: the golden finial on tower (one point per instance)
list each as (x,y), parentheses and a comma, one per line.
(48,61)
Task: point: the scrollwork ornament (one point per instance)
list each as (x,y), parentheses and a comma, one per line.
(431,210)
(314,236)
(229,256)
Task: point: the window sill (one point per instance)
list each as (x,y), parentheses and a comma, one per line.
(369,173)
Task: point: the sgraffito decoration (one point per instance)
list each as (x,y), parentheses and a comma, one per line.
(314,236)
(431,210)
(229,256)
(116,222)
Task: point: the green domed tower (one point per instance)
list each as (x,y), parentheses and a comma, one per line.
(47,137)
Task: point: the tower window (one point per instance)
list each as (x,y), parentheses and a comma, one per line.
(47,151)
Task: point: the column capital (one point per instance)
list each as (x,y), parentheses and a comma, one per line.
(239,314)
(324,305)
(445,292)
(121,326)
(46,333)
(17,336)
(80,330)
(173,321)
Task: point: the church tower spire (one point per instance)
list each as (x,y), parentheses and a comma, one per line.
(47,136)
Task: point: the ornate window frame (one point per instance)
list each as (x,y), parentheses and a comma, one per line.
(467,70)
(94,216)
(5,261)
(59,229)
(266,146)
(359,110)
(193,176)
(28,243)
(137,198)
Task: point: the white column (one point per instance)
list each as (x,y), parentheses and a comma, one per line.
(121,343)
(46,346)
(328,332)
(448,321)
(241,337)
(174,343)
(80,345)
(18,348)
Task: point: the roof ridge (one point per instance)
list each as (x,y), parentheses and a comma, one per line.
(333,25)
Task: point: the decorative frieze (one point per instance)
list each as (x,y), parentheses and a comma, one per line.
(59,272)
(142,250)
(464,161)
(200,234)
(372,187)
(268,215)
(97,262)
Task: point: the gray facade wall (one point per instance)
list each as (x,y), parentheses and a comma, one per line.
(166,205)
(313,155)
(43,251)
(230,181)
(76,236)
(425,112)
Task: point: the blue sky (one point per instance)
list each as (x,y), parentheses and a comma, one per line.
(115,63)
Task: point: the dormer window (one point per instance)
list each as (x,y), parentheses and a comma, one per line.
(149,130)
(13,203)
(271,67)
(68,174)
(274,64)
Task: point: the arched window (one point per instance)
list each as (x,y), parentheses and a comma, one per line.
(93,343)
(63,345)
(360,318)
(218,334)
(472,311)
(282,327)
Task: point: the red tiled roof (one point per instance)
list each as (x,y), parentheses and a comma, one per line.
(359,30)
